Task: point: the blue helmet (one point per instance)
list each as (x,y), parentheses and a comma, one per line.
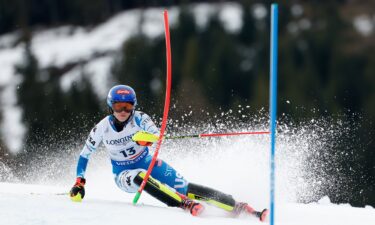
(121,93)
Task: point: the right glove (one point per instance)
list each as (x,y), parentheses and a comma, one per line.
(144,143)
(78,190)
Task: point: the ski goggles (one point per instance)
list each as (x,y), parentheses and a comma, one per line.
(122,106)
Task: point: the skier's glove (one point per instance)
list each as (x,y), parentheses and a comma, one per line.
(78,190)
(144,143)
(145,138)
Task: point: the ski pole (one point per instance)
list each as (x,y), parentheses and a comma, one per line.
(217,135)
(166,107)
(149,137)
(59,193)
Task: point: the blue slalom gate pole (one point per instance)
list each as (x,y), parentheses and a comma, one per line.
(273,104)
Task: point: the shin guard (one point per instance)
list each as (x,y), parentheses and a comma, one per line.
(211,196)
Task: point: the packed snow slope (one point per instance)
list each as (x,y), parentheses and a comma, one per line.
(235,165)
(32,204)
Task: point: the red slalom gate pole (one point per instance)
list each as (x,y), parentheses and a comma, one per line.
(166,106)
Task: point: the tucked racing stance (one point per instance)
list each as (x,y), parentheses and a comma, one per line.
(130,160)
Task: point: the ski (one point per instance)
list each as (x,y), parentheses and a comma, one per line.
(261,215)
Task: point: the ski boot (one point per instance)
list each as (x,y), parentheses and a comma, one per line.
(244,207)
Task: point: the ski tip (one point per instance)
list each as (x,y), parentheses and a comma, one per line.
(264,215)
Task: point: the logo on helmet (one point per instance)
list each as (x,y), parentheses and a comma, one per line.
(122,92)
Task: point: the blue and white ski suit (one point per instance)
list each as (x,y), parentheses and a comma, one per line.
(127,157)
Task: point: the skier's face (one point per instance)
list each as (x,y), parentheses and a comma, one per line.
(122,110)
(122,116)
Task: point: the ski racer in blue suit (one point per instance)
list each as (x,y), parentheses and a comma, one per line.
(130,160)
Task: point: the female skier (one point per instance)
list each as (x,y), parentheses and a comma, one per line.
(130,160)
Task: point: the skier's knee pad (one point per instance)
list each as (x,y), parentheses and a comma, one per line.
(126,180)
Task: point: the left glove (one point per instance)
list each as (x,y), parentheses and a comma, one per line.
(77,193)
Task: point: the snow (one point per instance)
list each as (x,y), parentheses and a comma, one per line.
(259,11)
(35,204)
(96,71)
(231,17)
(12,130)
(235,165)
(364,24)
